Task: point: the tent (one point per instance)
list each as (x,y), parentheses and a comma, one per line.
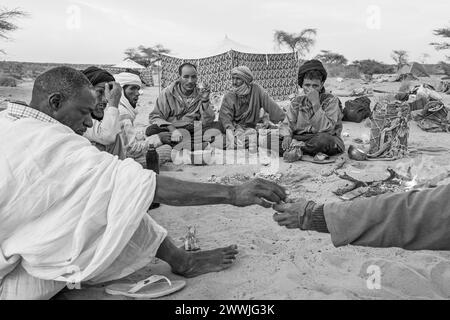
(228,44)
(128,64)
(416,69)
(275,72)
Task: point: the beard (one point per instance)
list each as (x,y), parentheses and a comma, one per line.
(99,113)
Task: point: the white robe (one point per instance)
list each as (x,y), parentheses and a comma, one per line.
(66,206)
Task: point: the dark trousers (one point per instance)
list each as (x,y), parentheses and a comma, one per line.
(320,143)
(215,127)
(317,143)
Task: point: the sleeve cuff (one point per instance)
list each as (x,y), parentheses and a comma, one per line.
(318,222)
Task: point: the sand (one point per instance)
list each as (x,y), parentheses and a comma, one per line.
(277,263)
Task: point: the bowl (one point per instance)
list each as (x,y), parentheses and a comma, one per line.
(356,154)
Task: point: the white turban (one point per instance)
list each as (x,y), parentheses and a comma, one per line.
(128,79)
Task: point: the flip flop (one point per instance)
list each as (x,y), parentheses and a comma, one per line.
(149,288)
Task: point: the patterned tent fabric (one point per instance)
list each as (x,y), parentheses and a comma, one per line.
(277,73)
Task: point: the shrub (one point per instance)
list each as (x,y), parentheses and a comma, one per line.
(7,81)
(352,72)
(349,72)
(371,67)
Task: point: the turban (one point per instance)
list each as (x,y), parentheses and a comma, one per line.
(97,75)
(244,73)
(309,66)
(128,79)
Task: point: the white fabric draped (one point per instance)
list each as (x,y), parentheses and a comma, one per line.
(65,206)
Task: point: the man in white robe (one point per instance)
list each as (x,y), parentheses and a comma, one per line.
(135,141)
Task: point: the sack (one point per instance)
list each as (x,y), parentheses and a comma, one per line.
(433,118)
(357,110)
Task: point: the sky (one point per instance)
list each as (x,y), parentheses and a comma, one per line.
(99,31)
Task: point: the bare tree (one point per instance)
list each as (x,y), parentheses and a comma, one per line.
(147,56)
(6,24)
(445,33)
(400,57)
(300,42)
(329,57)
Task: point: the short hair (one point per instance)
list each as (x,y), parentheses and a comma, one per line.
(180,68)
(64,80)
(314,75)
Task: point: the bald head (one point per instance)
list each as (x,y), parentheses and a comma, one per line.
(66,95)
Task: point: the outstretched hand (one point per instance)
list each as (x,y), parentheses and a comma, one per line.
(290,215)
(258,191)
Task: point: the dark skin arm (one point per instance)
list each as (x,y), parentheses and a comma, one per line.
(176,192)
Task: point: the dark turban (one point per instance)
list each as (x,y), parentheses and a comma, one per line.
(97,75)
(310,66)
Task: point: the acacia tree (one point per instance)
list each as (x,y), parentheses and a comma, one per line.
(400,57)
(6,24)
(445,33)
(297,42)
(329,57)
(146,56)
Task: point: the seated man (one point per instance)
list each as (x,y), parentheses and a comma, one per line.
(105,130)
(67,207)
(135,142)
(179,105)
(314,118)
(243,106)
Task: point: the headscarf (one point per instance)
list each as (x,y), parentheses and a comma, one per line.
(246,75)
(97,75)
(128,79)
(309,66)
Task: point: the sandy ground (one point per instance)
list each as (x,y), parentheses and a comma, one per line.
(276,263)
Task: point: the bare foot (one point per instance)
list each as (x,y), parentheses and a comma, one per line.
(197,263)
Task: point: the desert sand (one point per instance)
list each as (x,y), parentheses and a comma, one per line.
(276,263)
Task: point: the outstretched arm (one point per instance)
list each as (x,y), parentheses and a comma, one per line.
(415,220)
(176,192)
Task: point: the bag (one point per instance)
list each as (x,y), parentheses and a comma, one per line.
(357,110)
